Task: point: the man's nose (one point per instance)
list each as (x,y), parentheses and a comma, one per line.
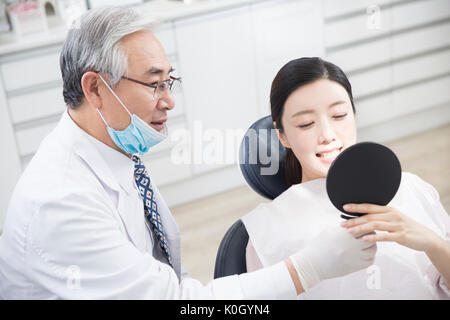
(167,101)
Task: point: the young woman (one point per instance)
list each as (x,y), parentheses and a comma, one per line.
(314,114)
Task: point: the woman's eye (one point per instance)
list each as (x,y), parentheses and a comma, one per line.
(309,124)
(306,125)
(340,116)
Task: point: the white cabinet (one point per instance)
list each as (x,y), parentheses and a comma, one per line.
(284,30)
(228,61)
(31,71)
(216,57)
(30,104)
(398,66)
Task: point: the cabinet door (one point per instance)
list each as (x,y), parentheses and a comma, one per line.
(216,61)
(283,31)
(9,161)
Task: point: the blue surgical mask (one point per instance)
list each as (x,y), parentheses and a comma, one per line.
(138,137)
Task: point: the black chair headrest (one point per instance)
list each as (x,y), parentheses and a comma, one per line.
(261,159)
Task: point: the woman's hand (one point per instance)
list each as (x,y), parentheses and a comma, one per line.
(397,226)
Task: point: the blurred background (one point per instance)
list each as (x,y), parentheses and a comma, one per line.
(396,54)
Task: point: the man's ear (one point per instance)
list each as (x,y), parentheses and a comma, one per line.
(90,84)
(281,136)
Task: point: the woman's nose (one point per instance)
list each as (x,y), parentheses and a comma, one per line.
(326,134)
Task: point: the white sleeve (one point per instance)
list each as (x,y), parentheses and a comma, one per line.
(440,216)
(272,282)
(438,213)
(75,250)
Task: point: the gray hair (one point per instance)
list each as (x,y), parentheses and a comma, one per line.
(94,45)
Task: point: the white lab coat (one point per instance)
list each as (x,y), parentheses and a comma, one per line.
(75,229)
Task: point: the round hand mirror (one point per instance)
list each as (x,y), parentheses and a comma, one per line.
(366,172)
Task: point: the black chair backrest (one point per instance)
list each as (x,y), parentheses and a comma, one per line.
(230,257)
(260,150)
(255,156)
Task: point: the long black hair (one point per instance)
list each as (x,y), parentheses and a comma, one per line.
(293,75)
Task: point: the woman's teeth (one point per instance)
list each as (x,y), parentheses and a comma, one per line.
(331,154)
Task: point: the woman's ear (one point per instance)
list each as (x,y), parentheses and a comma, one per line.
(281,136)
(90,86)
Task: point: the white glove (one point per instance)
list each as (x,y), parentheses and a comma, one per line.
(333,253)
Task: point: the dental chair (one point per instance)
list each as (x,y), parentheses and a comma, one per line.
(230,257)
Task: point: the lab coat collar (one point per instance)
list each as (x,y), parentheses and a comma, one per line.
(111,166)
(122,167)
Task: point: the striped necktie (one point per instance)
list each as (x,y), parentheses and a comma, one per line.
(144,185)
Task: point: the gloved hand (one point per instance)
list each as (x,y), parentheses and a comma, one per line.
(333,253)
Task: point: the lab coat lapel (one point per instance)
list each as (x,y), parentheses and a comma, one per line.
(85,149)
(126,204)
(132,216)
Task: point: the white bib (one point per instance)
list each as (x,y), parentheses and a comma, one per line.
(287,224)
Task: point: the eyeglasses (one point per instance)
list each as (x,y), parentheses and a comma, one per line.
(161,87)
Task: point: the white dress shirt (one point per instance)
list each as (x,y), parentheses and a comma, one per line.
(75,229)
(287,224)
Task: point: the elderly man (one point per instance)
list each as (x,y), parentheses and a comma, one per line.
(85,220)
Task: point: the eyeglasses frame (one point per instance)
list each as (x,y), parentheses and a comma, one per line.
(153,86)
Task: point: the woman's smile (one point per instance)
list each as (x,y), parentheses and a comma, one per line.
(328,157)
